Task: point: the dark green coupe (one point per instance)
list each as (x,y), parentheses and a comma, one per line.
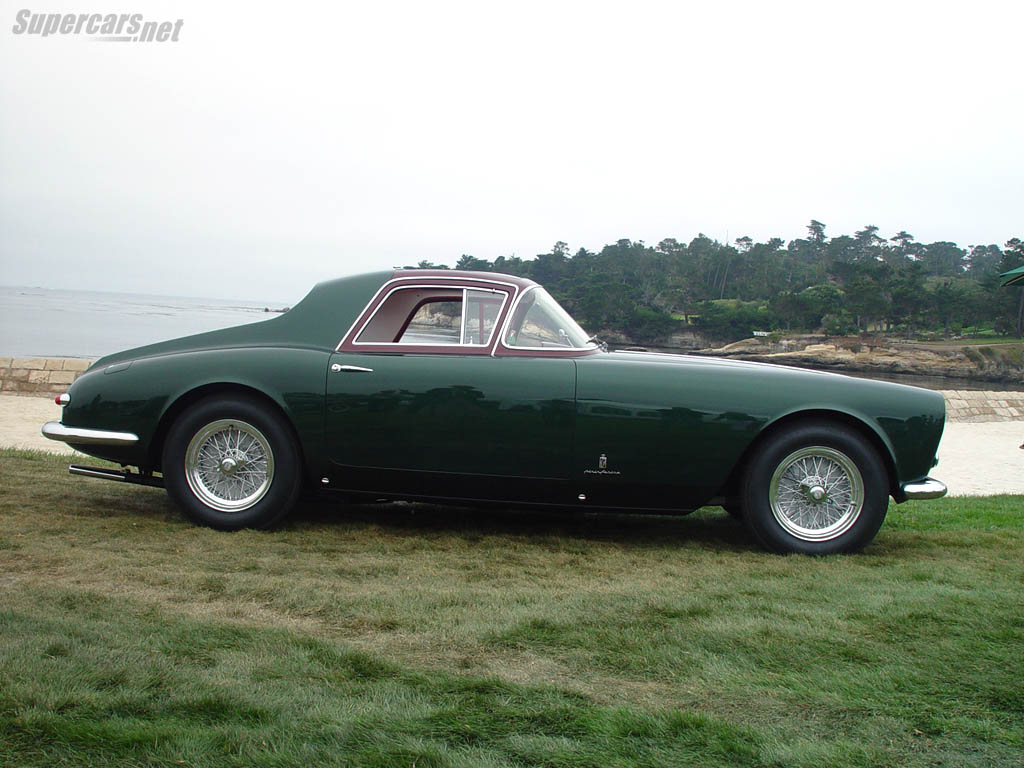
(479,388)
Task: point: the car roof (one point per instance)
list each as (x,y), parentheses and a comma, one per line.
(463,274)
(320,319)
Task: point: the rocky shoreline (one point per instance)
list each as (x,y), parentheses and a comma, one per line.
(1000,363)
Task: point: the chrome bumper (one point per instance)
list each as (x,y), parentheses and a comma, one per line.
(924,489)
(79,436)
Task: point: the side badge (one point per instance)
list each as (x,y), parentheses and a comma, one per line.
(602,467)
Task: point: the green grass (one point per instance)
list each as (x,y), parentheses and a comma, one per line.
(430,636)
(994,339)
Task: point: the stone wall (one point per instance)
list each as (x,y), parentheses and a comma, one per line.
(971,405)
(39,375)
(45,376)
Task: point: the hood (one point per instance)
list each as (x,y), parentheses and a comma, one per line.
(770,373)
(721,363)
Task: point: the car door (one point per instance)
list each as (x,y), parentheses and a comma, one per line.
(418,404)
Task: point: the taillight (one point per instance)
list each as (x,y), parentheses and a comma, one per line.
(62,399)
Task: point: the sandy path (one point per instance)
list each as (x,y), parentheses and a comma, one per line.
(974,459)
(21,419)
(982,459)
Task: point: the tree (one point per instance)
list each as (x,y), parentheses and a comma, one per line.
(818,301)
(1013,257)
(905,249)
(949,302)
(847,281)
(908,297)
(682,288)
(868,235)
(867,292)
(983,261)
(472,263)
(869,244)
(903,239)
(943,259)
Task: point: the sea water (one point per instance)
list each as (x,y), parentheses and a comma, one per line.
(43,322)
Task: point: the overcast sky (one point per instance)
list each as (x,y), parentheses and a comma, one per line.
(270,147)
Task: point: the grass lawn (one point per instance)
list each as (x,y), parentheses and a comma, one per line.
(405,635)
(964,340)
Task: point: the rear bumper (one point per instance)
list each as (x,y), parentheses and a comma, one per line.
(928,488)
(80,436)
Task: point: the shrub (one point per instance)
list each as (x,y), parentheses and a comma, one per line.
(733,320)
(645,324)
(972,354)
(838,323)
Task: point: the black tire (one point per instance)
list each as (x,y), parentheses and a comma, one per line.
(232,462)
(818,488)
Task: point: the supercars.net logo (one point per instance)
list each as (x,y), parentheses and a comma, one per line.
(100,27)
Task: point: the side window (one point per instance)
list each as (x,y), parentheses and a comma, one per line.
(438,316)
(436,322)
(425,306)
(482,311)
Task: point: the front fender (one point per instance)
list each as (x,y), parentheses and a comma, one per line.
(906,421)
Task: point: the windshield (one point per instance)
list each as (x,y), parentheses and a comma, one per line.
(540,323)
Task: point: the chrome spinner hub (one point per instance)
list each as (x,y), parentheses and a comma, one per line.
(814,489)
(229,465)
(816,493)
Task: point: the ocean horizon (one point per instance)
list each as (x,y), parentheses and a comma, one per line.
(57,322)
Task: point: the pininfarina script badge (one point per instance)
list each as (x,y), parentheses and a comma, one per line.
(602,468)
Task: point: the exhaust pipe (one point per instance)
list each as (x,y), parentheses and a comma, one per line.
(123,476)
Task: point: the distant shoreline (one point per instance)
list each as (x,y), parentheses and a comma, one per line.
(56,322)
(164,296)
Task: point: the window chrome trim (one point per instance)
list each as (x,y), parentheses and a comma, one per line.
(420,286)
(462,321)
(508,320)
(458,283)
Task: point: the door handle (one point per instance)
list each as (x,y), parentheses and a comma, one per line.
(350,369)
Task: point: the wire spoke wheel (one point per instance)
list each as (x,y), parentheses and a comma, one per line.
(816,493)
(229,465)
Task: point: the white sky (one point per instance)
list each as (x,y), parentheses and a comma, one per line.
(274,146)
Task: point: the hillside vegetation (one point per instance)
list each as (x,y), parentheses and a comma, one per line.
(841,285)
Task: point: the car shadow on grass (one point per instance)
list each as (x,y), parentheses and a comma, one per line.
(710,527)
